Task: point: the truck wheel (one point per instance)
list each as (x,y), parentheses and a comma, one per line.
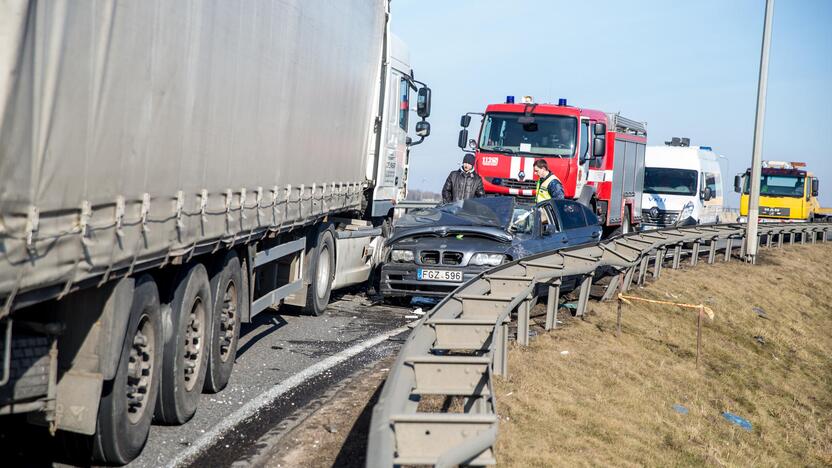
(127,402)
(321,274)
(186,349)
(228,292)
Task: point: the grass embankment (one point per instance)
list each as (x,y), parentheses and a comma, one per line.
(609,401)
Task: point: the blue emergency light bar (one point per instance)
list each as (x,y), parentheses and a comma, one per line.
(562,101)
(509,99)
(706,148)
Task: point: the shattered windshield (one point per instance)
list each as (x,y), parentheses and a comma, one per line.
(487,211)
(548,135)
(523,220)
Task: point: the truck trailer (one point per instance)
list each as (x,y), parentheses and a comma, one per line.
(598,157)
(169,170)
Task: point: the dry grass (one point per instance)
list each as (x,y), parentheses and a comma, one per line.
(609,401)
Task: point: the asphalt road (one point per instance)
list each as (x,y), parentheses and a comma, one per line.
(282,359)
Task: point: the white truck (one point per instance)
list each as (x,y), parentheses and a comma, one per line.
(683,185)
(170,169)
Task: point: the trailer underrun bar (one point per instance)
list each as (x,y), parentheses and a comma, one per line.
(457,348)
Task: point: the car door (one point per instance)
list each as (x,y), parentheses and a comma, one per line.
(547,234)
(574,223)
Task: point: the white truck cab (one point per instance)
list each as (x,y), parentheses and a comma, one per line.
(683,185)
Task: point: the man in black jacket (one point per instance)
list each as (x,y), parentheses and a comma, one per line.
(464,183)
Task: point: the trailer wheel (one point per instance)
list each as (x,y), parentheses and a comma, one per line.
(228,292)
(128,400)
(321,274)
(186,349)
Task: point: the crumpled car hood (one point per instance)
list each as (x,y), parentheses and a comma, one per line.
(497,234)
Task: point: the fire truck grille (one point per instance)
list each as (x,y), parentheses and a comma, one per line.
(662,218)
(519,184)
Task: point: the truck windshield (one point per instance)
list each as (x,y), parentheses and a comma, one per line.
(778,185)
(548,135)
(669,181)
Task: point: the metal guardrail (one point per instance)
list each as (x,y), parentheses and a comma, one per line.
(456,349)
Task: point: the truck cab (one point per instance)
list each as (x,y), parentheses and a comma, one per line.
(683,185)
(788,193)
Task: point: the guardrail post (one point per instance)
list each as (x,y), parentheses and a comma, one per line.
(642,270)
(628,278)
(729,246)
(609,293)
(552,305)
(657,268)
(501,350)
(803,237)
(780,239)
(814,236)
(694,256)
(583,295)
(523,322)
(677,256)
(768,240)
(743,246)
(791,238)
(712,251)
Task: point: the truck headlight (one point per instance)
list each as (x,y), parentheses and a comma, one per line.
(398,255)
(489,259)
(686,212)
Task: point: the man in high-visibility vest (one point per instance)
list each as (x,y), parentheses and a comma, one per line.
(548,184)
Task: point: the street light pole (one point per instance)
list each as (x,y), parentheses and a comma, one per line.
(756,161)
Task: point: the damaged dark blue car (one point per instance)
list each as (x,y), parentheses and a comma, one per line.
(432,251)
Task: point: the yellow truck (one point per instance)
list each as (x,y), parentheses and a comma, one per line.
(788,193)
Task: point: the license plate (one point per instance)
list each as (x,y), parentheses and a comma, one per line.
(439,275)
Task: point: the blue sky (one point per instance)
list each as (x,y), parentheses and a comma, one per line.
(686,68)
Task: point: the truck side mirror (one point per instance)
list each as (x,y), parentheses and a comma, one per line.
(464,121)
(422,128)
(707,194)
(423,104)
(737,183)
(463,138)
(598,148)
(599,129)
(814,186)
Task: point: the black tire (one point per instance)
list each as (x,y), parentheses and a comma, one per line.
(124,422)
(186,357)
(227,288)
(321,274)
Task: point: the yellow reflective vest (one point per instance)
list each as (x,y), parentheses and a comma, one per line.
(543,188)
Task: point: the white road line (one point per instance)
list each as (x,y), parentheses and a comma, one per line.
(250,409)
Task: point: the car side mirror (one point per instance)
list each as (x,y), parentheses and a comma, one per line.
(707,194)
(548,229)
(465,121)
(463,138)
(814,187)
(599,129)
(598,148)
(423,102)
(737,183)
(423,128)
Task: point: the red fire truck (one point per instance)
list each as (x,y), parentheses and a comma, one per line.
(598,157)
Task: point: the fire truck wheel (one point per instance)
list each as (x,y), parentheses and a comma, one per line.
(186,349)
(127,401)
(229,294)
(321,274)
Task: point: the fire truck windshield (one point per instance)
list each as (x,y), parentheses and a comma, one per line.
(547,135)
(779,185)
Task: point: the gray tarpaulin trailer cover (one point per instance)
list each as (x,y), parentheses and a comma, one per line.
(132,133)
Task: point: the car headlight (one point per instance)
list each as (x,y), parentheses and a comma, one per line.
(489,259)
(398,255)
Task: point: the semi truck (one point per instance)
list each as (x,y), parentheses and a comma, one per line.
(598,157)
(788,193)
(169,170)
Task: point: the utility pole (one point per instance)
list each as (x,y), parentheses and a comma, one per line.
(756,161)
